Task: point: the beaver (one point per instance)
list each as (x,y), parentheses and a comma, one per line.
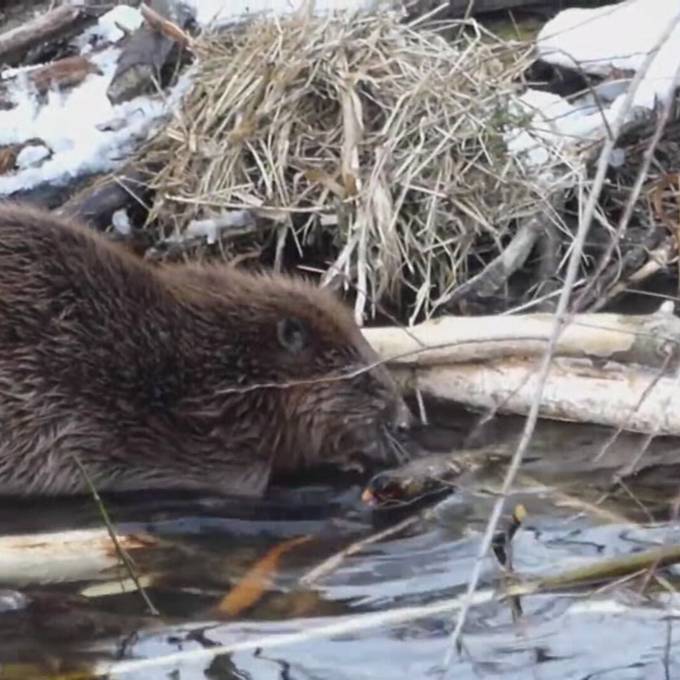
(186,376)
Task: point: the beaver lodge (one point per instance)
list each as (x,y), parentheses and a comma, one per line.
(494,187)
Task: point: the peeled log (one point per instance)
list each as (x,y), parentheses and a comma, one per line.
(608,368)
(65,556)
(574,391)
(642,339)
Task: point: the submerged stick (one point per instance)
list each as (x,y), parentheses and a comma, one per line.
(330,564)
(602,570)
(255,584)
(67,556)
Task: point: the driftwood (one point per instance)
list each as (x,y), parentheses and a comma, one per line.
(148,51)
(66,556)
(101,197)
(61,23)
(609,369)
(642,339)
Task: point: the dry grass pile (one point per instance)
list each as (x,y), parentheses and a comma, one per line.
(385,140)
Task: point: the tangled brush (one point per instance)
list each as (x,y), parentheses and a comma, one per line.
(382,139)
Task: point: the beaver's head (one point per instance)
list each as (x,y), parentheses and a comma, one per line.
(288,364)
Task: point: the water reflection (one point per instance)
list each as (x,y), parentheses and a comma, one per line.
(334,629)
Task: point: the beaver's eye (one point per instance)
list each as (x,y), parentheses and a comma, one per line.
(292,334)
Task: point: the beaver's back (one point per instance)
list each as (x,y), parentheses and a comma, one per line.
(195,377)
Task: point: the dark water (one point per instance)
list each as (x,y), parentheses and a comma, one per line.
(385,612)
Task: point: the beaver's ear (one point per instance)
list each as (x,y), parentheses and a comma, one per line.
(292,334)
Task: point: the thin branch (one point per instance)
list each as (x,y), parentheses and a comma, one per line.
(499,270)
(640,179)
(125,558)
(561,317)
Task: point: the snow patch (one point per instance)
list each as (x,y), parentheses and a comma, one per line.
(617,37)
(612,42)
(32,155)
(79,125)
(121,222)
(108,28)
(216,13)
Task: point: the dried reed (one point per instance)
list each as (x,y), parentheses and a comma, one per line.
(384,140)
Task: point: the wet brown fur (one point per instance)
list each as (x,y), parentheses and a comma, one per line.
(150,376)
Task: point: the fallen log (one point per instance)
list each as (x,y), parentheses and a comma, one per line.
(59,75)
(62,74)
(642,339)
(609,369)
(67,556)
(96,202)
(61,23)
(637,400)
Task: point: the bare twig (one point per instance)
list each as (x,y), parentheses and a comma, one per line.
(634,195)
(561,316)
(122,553)
(499,270)
(334,561)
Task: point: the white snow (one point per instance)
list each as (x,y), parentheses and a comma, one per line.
(556,127)
(80,126)
(613,42)
(215,13)
(109,27)
(32,155)
(617,36)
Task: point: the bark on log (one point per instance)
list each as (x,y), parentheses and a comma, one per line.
(57,75)
(60,23)
(8,157)
(642,339)
(96,202)
(62,74)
